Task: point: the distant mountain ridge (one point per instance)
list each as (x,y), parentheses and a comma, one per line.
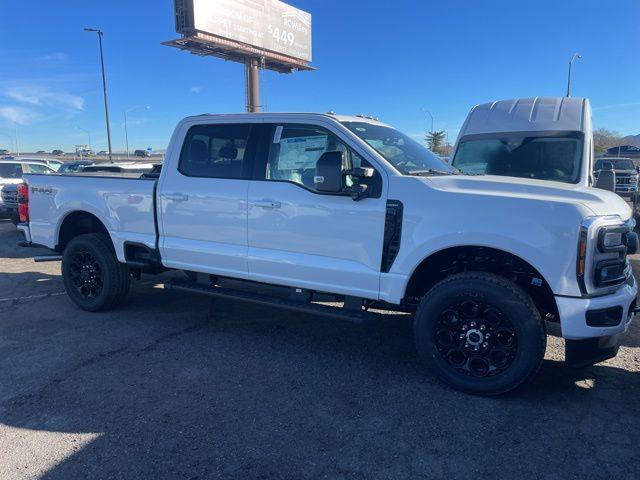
(631,140)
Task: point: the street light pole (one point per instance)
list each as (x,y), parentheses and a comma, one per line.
(15,125)
(429,113)
(104,87)
(12,147)
(126,132)
(88,134)
(574,57)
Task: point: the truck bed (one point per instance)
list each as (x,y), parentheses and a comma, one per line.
(124,205)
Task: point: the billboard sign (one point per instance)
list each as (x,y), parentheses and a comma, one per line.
(268,25)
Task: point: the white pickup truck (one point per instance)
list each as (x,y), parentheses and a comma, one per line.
(350,209)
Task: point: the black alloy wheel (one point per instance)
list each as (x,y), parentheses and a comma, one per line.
(475,338)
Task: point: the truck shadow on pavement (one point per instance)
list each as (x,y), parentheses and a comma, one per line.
(9,236)
(179,386)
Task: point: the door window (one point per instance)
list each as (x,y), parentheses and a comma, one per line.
(295,150)
(215,151)
(35,168)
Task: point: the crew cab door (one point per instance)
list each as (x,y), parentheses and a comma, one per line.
(300,237)
(203,198)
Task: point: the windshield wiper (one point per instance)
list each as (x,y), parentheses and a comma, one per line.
(433,171)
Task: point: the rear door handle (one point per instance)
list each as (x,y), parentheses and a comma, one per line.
(177,197)
(268,204)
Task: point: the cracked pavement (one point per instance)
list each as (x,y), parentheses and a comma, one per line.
(173,385)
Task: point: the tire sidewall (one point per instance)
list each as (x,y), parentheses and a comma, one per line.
(107,266)
(520,311)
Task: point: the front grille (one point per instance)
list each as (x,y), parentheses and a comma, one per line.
(623,180)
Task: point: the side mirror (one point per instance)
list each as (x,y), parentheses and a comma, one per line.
(329,173)
(606,178)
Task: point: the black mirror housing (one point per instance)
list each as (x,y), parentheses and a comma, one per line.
(329,176)
(606,180)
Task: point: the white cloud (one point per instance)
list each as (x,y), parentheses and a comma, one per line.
(196,89)
(19,115)
(59,56)
(617,105)
(45,97)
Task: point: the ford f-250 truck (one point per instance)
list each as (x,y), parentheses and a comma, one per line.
(350,209)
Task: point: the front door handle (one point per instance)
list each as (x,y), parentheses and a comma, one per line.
(177,197)
(268,204)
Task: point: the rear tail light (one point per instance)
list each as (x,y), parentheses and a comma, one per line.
(23,202)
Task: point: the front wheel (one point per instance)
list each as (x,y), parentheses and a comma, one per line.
(93,277)
(480,333)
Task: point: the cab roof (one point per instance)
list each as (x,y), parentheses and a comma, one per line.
(294,116)
(528,114)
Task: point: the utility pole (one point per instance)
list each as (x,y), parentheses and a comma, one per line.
(574,57)
(104,87)
(252,77)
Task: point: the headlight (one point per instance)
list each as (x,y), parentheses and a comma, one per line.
(603,245)
(612,239)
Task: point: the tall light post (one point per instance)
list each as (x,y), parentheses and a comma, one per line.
(126,132)
(429,113)
(574,57)
(15,125)
(88,134)
(10,138)
(104,86)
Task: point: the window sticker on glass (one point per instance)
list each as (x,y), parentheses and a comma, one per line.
(278,134)
(301,152)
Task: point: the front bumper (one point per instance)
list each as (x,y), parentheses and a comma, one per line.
(572,310)
(626,191)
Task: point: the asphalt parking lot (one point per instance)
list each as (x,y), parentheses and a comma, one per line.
(179,386)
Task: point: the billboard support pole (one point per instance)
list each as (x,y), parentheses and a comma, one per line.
(252,75)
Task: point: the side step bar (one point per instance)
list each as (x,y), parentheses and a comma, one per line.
(47,258)
(357,316)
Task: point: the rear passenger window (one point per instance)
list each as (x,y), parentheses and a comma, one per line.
(10,170)
(33,168)
(215,151)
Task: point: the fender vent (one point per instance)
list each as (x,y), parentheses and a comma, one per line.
(392,234)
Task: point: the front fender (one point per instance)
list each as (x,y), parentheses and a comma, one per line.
(542,233)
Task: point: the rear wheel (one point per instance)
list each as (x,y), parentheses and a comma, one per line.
(480,333)
(93,277)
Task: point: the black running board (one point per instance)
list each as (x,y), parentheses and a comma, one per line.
(356,316)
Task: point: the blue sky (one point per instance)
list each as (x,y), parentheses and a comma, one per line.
(389,59)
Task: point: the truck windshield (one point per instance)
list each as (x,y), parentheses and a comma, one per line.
(552,157)
(404,153)
(618,164)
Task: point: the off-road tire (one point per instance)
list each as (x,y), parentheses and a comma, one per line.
(484,289)
(115,278)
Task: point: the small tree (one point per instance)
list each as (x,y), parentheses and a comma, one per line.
(435,141)
(603,139)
